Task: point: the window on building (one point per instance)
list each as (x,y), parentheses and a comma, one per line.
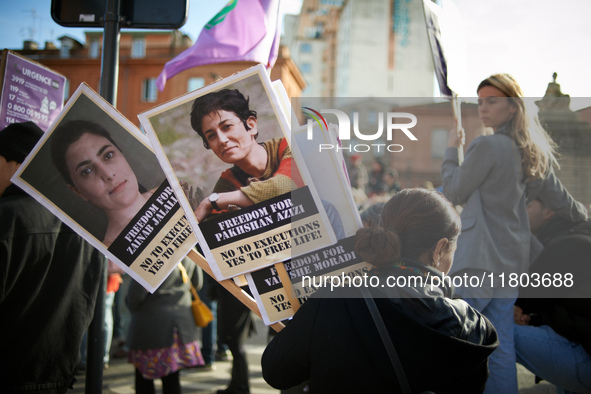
(65,48)
(311,32)
(149,90)
(438,143)
(94,49)
(138,48)
(306,47)
(319,29)
(195,83)
(306,68)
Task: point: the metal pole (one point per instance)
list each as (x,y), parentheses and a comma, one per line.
(110,60)
(96,339)
(108,90)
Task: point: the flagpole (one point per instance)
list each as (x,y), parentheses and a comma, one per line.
(440,67)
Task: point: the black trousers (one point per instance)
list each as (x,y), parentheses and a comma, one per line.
(171,384)
(233,326)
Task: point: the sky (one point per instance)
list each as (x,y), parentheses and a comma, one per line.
(24,19)
(530,39)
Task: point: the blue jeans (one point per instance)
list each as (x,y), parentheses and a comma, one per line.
(109,300)
(209,333)
(553,358)
(503,371)
(121,314)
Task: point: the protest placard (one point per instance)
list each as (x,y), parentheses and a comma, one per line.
(266,285)
(332,266)
(285,104)
(331,183)
(263,208)
(97,172)
(331,179)
(29,91)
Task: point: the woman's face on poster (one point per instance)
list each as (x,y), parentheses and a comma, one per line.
(100,173)
(228,137)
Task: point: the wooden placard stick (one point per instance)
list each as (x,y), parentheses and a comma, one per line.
(456,105)
(232,287)
(286,282)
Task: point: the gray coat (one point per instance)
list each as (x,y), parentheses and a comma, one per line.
(495,227)
(154,316)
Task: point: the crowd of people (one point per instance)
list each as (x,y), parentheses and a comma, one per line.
(516,221)
(374,186)
(511,205)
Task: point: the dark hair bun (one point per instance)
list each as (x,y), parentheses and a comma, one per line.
(377,245)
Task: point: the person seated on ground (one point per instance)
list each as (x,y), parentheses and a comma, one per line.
(443,343)
(553,323)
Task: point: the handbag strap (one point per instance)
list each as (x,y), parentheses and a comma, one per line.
(186,279)
(388,344)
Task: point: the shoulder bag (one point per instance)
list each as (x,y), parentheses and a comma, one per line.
(201,312)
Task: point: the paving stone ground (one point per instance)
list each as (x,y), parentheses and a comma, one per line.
(118,378)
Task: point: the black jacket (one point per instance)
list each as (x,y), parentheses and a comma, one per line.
(564,306)
(49,280)
(333,343)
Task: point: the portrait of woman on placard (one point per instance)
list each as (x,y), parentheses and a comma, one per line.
(229,128)
(97,171)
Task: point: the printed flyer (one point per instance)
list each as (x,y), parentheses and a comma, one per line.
(30,92)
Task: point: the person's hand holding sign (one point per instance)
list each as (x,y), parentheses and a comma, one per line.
(457,137)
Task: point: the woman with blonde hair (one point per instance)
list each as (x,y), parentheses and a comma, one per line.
(500,172)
